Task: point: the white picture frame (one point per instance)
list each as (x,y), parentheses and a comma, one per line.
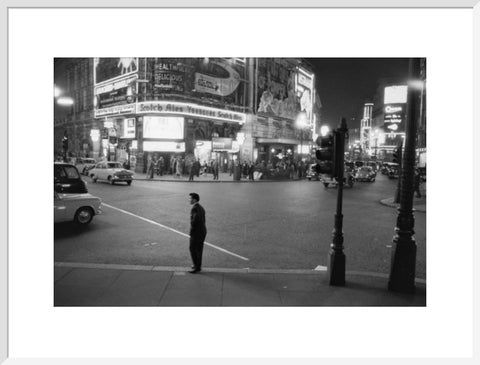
(9,149)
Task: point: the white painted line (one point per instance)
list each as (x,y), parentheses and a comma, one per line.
(321,268)
(173,230)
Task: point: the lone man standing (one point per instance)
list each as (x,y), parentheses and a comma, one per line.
(198,232)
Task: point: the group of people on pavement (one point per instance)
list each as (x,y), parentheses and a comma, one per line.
(192,167)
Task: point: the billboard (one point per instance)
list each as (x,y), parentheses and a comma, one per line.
(119,92)
(283,89)
(396,94)
(395,99)
(221,144)
(211,79)
(106,69)
(115,82)
(394,117)
(163,127)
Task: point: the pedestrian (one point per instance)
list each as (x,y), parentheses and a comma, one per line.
(178,168)
(197,167)
(198,232)
(215,169)
(161,166)
(251,170)
(149,168)
(245,169)
(417,182)
(192,172)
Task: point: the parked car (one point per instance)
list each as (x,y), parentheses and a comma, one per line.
(387,166)
(365,173)
(67,179)
(373,165)
(84,164)
(112,172)
(393,172)
(348,179)
(80,208)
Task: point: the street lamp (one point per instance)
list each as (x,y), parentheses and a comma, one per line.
(324,130)
(404,251)
(62,101)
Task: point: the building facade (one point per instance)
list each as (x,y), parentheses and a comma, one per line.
(224,109)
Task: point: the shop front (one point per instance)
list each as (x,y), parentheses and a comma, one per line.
(274,150)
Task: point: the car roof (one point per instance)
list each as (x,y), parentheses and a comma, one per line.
(63,163)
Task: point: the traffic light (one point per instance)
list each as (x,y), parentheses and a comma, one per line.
(397,155)
(325,154)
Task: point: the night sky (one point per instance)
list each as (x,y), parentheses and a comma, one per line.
(345,84)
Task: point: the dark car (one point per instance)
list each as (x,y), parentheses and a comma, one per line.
(67,180)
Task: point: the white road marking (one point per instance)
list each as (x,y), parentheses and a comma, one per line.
(320,268)
(173,230)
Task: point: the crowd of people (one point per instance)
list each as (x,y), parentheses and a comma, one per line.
(178,167)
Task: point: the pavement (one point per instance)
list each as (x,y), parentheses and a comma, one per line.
(88,284)
(222,177)
(110,285)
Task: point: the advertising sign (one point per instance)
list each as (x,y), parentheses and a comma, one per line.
(396,94)
(394,115)
(118,92)
(170,76)
(219,144)
(129,128)
(217,85)
(167,107)
(105,69)
(115,110)
(163,127)
(276,88)
(163,146)
(214,79)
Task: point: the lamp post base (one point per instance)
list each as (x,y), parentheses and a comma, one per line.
(336,267)
(402,273)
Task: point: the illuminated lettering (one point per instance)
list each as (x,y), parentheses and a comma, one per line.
(393,109)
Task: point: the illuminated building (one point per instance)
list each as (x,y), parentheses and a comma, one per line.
(129,109)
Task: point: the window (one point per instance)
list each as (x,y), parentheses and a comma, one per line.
(71,172)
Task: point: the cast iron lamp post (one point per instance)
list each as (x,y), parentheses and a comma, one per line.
(404,251)
(336,262)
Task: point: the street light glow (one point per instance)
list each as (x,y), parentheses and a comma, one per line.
(301,120)
(324,129)
(57,92)
(416,84)
(65,101)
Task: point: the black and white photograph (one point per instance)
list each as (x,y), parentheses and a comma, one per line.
(240,181)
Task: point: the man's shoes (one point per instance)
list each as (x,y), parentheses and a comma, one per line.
(194,271)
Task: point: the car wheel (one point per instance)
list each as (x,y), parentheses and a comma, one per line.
(309,178)
(129,182)
(325,184)
(110,180)
(83,216)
